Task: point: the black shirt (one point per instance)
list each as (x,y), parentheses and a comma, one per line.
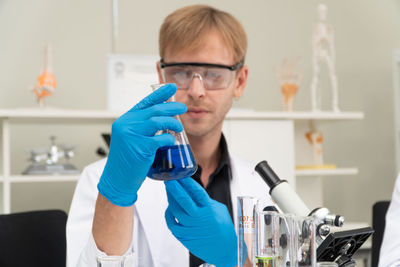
(217,188)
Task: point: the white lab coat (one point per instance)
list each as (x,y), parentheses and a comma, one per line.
(153,243)
(390,249)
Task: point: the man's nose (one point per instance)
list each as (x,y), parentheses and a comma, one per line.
(196,88)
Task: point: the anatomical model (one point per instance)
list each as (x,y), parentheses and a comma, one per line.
(289,78)
(46,82)
(323,52)
(315,138)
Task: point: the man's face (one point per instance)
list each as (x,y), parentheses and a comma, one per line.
(207,108)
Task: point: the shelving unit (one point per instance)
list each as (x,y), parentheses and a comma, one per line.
(310,185)
(48,113)
(296,115)
(8,116)
(35,179)
(331,172)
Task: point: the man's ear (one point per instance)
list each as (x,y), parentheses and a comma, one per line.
(160,78)
(241,80)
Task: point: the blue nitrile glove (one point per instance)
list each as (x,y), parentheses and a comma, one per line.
(133,144)
(200,223)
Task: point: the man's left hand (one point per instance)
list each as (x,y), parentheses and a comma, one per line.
(200,223)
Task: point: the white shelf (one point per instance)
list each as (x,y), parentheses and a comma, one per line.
(56,113)
(40,178)
(296,115)
(43,113)
(326,172)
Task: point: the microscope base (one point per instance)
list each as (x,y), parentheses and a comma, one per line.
(52,169)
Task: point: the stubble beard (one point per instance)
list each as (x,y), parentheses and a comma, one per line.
(208,125)
(201,129)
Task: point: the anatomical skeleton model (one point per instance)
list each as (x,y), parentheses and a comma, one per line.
(323,52)
(46,82)
(289,78)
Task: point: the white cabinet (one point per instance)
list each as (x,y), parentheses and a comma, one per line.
(257,139)
(8,117)
(255,136)
(285,146)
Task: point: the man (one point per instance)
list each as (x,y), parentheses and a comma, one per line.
(390,248)
(116,210)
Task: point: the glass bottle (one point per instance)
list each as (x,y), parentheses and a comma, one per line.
(176,161)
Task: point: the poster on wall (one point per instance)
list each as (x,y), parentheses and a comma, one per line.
(129,79)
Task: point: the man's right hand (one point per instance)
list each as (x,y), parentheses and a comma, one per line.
(133,144)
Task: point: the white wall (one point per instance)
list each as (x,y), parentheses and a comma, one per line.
(367,32)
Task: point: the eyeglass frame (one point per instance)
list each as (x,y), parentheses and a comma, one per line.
(200,64)
(235,67)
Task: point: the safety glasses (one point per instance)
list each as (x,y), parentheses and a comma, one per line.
(212,76)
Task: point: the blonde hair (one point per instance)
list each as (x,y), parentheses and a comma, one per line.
(185,29)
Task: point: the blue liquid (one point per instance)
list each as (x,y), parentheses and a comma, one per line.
(173,162)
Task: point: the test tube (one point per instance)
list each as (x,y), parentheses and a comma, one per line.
(245,228)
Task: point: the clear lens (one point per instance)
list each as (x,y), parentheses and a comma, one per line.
(217,78)
(212,78)
(181,76)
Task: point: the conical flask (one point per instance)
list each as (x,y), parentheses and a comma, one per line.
(176,161)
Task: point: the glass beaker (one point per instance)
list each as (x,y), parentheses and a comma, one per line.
(245,228)
(116,261)
(110,261)
(303,243)
(272,240)
(327,264)
(176,161)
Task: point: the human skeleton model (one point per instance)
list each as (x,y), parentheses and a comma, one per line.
(46,81)
(315,138)
(289,80)
(323,52)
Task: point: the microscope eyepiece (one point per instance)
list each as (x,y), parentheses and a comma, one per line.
(268,175)
(281,192)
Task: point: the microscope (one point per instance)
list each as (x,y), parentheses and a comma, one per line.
(46,161)
(336,246)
